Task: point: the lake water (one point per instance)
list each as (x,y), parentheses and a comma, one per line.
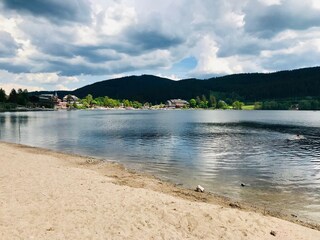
(216,149)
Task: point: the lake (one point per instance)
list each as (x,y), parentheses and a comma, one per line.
(216,149)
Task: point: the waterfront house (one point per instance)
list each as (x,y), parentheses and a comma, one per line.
(48,100)
(70,99)
(177,103)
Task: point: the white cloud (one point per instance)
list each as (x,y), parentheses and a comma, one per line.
(271,2)
(32,81)
(61,87)
(9,86)
(208,62)
(171,76)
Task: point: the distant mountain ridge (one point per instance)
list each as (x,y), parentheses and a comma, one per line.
(297,83)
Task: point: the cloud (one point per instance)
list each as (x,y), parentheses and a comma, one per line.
(8,46)
(61,87)
(153,39)
(172,76)
(303,54)
(7,87)
(267,21)
(32,81)
(49,43)
(54,10)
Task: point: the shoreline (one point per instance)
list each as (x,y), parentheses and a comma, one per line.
(114,175)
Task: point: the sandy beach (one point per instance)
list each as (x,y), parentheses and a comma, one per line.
(50,195)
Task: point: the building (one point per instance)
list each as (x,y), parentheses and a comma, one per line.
(70,99)
(177,103)
(48,100)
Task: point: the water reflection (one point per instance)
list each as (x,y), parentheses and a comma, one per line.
(217,149)
(20,119)
(12,122)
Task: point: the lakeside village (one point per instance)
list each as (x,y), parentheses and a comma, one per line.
(69,102)
(21,100)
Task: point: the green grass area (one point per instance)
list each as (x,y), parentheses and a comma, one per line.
(248,107)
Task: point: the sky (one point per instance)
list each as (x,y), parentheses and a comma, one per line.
(67,44)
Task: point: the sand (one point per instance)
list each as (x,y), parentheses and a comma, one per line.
(49,195)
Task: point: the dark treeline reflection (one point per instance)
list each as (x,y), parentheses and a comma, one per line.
(19,119)
(14,119)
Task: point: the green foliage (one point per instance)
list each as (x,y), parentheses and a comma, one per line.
(126,103)
(257,105)
(193,103)
(22,97)
(109,102)
(99,101)
(89,99)
(17,98)
(3,96)
(248,107)
(212,101)
(198,101)
(13,96)
(7,106)
(237,105)
(309,104)
(84,103)
(269,105)
(204,102)
(136,104)
(222,104)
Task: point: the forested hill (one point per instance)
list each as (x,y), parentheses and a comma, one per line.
(298,83)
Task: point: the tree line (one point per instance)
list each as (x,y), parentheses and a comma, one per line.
(15,98)
(308,103)
(23,98)
(212,103)
(199,102)
(108,102)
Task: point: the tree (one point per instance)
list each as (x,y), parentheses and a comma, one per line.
(304,105)
(136,104)
(84,103)
(212,101)
(222,104)
(127,103)
(89,99)
(204,102)
(22,98)
(237,105)
(3,96)
(193,103)
(70,101)
(257,105)
(198,100)
(270,105)
(13,96)
(315,104)
(99,101)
